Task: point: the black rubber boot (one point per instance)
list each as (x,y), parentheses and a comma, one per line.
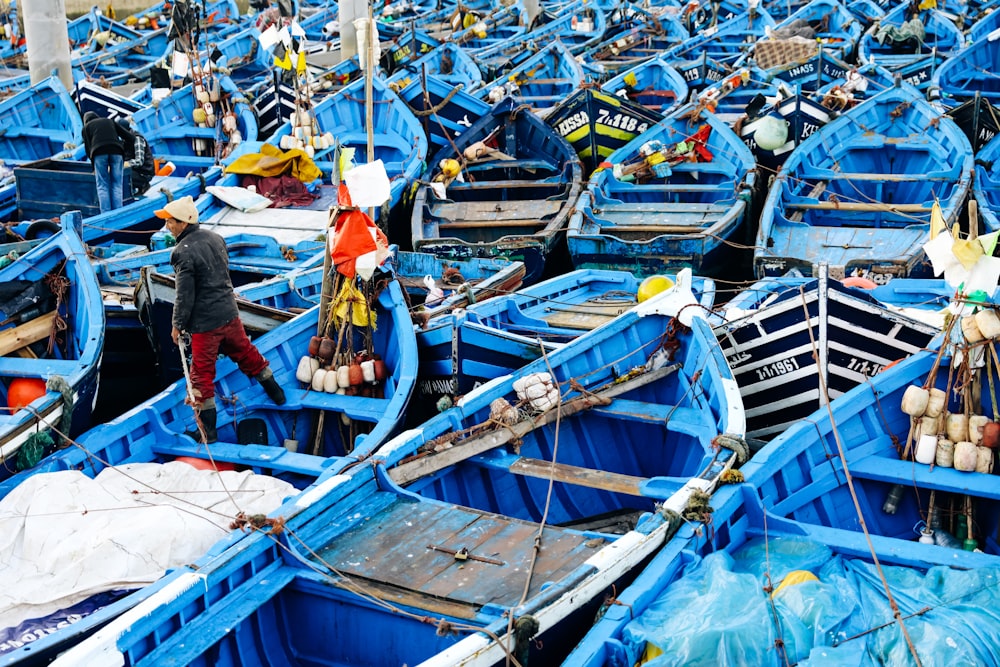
(270,385)
(208,417)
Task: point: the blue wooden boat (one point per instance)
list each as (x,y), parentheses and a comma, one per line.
(596,124)
(866,11)
(515,199)
(858,193)
(540,82)
(701,71)
(671,199)
(180,130)
(39,122)
(123,62)
(638,35)
(772,343)
(655,84)
(215,15)
(456,283)
(905,499)
(444,110)
(461,283)
(53,339)
(753,587)
(820,26)
(449,63)
(983,27)
(725,42)
(601,522)
(403,46)
(399,140)
(801,115)
(496,337)
(502,23)
(893,45)
(94,31)
(253,434)
(577,24)
(252,258)
(969,72)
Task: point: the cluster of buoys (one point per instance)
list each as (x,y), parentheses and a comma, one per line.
(950,440)
(358,374)
(203,114)
(538,390)
(306,135)
(982,325)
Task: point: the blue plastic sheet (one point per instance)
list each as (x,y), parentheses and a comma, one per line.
(719,613)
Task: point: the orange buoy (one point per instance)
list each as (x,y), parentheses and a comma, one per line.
(205,464)
(23,391)
(858,281)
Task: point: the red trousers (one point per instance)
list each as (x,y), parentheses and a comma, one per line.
(231,340)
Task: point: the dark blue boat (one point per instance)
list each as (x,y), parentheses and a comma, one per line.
(53,339)
(847,338)
(522,180)
(473,511)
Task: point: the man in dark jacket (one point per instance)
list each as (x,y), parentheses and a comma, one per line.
(205,307)
(106,151)
(138,156)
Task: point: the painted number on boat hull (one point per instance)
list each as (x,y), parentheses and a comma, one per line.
(777,368)
(865,367)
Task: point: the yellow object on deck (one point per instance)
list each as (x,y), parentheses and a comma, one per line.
(272,161)
(793,578)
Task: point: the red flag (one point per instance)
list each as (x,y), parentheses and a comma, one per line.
(354,235)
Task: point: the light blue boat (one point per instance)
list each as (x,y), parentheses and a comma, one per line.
(674,198)
(857,194)
(492,338)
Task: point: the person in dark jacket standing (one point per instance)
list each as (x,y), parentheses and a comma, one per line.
(138,156)
(106,150)
(205,308)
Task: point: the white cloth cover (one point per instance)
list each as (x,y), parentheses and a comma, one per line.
(65,536)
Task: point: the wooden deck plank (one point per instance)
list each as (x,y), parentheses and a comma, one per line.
(571,474)
(391,548)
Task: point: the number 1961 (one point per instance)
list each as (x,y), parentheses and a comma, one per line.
(777,368)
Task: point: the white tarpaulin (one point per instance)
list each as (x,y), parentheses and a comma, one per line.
(65,536)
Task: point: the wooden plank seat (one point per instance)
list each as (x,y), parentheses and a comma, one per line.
(632,485)
(276,458)
(18,367)
(861,176)
(886,469)
(355,407)
(858,206)
(677,187)
(183,132)
(664,207)
(673,417)
(23,131)
(527,213)
(499,163)
(500,186)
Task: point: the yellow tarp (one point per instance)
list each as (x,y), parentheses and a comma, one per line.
(272,161)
